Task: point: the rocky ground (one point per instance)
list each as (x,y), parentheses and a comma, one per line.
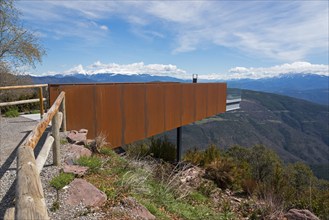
(66,211)
(81,200)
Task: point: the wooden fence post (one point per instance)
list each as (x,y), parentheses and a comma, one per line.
(56,145)
(63,110)
(30,201)
(41,102)
(9,214)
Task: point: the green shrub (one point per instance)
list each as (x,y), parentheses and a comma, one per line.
(224,172)
(203,158)
(263,163)
(12,113)
(194,156)
(107,151)
(137,150)
(94,163)
(163,148)
(63,179)
(239,153)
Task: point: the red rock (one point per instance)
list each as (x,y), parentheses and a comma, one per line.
(74,152)
(83,131)
(296,214)
(131,209)
(77,137)
(75,169)
(82,191)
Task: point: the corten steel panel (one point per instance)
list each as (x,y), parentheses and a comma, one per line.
(188,103)
(109,113)
(133,109)
(130,112)
(54,92)
(155,109)
(212,99)
(173,105)
(201,95)
(80,107)
(221,105)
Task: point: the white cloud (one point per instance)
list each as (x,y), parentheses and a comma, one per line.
(274,71)
(282,30)
(129,69)
(103,27)
(174,71)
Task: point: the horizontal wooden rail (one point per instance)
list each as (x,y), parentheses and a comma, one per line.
(40,100)
(23,86)
(21,102)
(37,132)
(30,201)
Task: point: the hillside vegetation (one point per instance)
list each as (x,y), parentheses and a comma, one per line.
(296,130)
(237,183)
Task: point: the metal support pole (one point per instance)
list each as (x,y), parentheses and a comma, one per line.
(179,144)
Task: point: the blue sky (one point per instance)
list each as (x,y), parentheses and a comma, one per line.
(215,39)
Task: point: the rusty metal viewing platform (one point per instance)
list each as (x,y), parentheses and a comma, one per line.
(127,112)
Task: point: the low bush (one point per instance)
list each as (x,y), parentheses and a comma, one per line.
(163,148)
(63,179)
(12,113)
(224,173)
(94,163)
(137,150)
(203,158)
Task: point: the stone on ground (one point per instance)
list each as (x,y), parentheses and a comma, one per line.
(77,137)
(130,208)
(296,214)
(74,152)
(81,191)
(75,169)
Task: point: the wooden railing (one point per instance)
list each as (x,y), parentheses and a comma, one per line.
(30,202)
(40,99)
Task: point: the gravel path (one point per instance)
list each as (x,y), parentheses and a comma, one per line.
(13,132)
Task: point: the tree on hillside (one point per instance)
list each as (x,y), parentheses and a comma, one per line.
(18,46)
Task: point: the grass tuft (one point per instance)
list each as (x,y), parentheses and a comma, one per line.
(12,113)
(94,163)
(63,179)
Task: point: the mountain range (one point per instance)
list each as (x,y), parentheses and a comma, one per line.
(311,87)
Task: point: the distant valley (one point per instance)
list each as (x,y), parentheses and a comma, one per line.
(311,87)
(297,130)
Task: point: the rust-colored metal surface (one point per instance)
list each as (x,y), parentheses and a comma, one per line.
(133,109)
(127,112)
(201,97)
(155,109)
(109,119)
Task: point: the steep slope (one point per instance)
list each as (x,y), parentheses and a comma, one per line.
(297,130)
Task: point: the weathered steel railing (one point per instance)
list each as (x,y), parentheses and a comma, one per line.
(30,202)
(40,99)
